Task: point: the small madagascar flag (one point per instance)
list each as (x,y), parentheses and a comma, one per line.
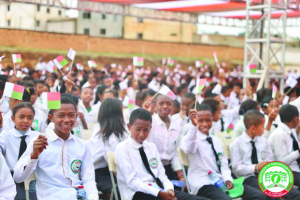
(13,90)
(129,103)
(138,61)
(60,62)
(230,127)
(210,81)
(92,63)
(200,85)
(274,92)
(252,68)
(51,100)
(54,69)
(16,58)
(166,91)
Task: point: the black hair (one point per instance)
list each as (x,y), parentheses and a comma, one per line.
(3,78)
(45,84)
(149,92)
(209,93)
(176,104)
(248,105)
(140,113)
(180,88)
(22,105)
(139,96)
(38,82)
(74,98)
(238,85)
(225,89)
(111,118)
(28,84)
(103,78)
(266,101)
(64,100)
(288,112)
(142,86)
(27,94)
(100,89)
(114,92)
(32,71)
(212,103)
(253,118)
(261,94)
(290,92)
(129,82)
(204,107)
(2,85)
(189,95)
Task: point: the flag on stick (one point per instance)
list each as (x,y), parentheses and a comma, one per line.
(200,85)
(16,58)
(230,127)
(215,57)
(199,63)
(92,63)
(60,62)
(129,103)
(13,90)
(72,54)
(166,91)
(274,92)
(138,61)
(51,100)
(252,68)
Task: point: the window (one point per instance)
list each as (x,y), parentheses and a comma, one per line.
(38,7)
(8,7)
(102,31)
(59,12)
(103,16)
(173,34)
(115,18)
(86,15)
(8,22)
(140,20)
(37,23)
(140,36)
(86,31)
(48,10)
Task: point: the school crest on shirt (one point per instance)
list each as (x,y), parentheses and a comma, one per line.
(220,155)
(75,166)
(35,124)
(153,163)
(263,155)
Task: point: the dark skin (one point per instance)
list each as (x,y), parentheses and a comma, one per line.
(140,130)
(203,120)
(23,119)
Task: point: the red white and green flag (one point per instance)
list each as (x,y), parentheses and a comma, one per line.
(19,74)
(13,91)
(166,91)
(138,61)
(230,127)
(199,63)
(16,58)
(79,66)
(274,92)
(200,85)
(60,62)
(129,103)
(252,68)
(92,63)
(51,100)
(71,54)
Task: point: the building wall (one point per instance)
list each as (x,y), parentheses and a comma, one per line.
(62,26)
(159,30)
(27,16)
(112,24)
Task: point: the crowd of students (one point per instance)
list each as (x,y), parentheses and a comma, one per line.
(145,137)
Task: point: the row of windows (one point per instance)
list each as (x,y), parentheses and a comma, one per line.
(38,9)
(37,23)
(87,31)
(87,15)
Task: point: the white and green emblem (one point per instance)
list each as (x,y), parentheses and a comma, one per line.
(75,166)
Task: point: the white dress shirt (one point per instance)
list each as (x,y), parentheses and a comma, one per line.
(88,116)
(282,146)
(241,152)
(38,103)
(7,184)
(70,158)
(178,120)
(10,142)
(132,174)
(5,105)
(267,133)
(37,125)
(202,158)
(166,141)
(95,110)
(233,100)
(100,148)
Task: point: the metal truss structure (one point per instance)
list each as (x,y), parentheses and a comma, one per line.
(263,48)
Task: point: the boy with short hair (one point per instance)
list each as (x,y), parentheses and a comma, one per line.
(187,101)
(85,104)
(140,172)
(250,152)
(283,140)
(205,154)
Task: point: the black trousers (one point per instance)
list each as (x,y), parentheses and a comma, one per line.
(170,173)
(214,193)
(178,195)
(294,194)
(21,195)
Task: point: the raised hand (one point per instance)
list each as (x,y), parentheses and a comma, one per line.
(38,146)
(193,116)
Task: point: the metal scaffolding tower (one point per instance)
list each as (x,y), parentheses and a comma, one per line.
(265,39)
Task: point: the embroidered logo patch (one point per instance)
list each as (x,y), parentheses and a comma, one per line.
(75,166)
(153,163)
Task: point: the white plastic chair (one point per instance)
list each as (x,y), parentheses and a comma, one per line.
(112,169)
(26,184)
(184,161)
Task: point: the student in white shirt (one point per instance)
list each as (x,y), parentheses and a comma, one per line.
(205,154)
(106,139)
(270,107)
(7,185)
(39,90)
(233,99)
(98,99)
(165,134)
(3,100)
(250,152)
(84,105)
(283,140)
(61,161)
(147,100)
(13,142)
(140,172)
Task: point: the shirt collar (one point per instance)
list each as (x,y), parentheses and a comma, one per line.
(159,122)
(54,137)
(16,133)
(133,143)
(201,135)
(285,128)
(247,138)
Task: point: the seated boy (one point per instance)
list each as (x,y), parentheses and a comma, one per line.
(250,152)
(205,154)
(140,172)
(284,142)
